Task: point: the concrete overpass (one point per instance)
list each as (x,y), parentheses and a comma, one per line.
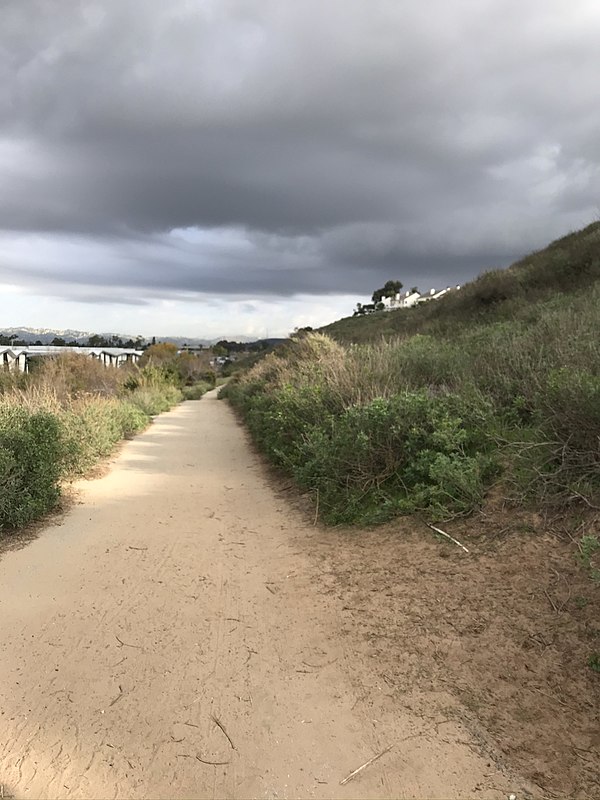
(17,357)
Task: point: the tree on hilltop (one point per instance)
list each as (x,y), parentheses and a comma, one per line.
(389,289)
(96,340)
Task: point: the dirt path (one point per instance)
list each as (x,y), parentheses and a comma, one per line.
(179,592)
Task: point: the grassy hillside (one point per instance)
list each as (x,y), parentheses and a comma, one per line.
(567,266)
(497,386)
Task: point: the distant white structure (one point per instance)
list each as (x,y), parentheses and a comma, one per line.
(402,300)
(16,358)
(410,299)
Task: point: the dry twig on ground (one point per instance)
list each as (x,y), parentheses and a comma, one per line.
(447,535)
(126,644)
(220,725)
(213,763)
(365,765)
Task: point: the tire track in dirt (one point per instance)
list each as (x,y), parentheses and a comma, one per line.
(177,591)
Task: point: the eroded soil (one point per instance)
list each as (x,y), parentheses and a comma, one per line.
(506,630)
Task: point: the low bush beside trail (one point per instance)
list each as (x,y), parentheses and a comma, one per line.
(32,461)
(197,390)
(60,421)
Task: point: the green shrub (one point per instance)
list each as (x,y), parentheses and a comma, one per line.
(131,418)
(280,422)
(570,403)
(412,452)
(419,450)
(196,391)
(31,463)
(93,427)
(209,377)
(154,399)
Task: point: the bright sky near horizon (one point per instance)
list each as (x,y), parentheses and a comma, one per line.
(242,167)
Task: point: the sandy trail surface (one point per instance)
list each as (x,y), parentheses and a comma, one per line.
(175,617)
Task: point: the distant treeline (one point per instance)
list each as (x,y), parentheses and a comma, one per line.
(223,346)
(94,341)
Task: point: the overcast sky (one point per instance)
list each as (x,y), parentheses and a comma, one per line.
(241,167)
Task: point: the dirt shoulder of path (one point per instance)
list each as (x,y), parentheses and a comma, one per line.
(507,629)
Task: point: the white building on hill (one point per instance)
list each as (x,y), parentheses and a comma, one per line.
(410,299)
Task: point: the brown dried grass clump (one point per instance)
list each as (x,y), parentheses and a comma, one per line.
(72,374)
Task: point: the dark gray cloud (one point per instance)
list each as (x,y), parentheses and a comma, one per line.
(316,147)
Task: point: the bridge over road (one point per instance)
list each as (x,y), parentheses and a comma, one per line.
(18,357)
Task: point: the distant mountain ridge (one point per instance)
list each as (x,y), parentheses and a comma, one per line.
(71,336)
(46,335)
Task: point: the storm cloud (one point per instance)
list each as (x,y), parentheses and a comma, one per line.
(278,148)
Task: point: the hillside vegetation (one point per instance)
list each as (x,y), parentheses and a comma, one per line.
(425,410)
(59,421)
(566,266)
